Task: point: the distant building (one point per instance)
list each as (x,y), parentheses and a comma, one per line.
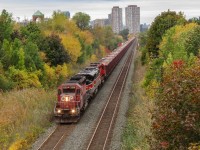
(38,16)
(144,27)
(117,24)
(110,19)
(132,13)
(100,22)
(66,13)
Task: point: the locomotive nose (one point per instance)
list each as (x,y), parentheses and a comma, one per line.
(67,98)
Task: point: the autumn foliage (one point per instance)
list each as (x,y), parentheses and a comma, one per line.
(172,81)
(176,119)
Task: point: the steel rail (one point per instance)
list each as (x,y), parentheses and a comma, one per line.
(116,106)
(56,136)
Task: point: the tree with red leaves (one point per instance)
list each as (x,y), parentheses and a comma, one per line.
(176,119)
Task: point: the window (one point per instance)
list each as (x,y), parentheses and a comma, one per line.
(68,90)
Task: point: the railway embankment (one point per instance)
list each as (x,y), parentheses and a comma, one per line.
(138,117)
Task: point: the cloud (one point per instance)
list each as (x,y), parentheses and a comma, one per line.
(100,8)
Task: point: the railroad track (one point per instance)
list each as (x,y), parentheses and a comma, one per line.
(102,134)
(56,138)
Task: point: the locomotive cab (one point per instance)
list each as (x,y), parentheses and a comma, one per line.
(71,98)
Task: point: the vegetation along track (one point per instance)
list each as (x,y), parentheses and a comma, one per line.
(102,134)
(56,138)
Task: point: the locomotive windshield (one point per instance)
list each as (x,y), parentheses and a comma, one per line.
(71,89)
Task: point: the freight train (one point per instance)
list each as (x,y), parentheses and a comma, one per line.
(74,95)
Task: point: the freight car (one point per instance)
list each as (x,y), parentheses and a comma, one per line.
(74,95)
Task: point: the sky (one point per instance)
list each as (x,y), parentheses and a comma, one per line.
(98,9)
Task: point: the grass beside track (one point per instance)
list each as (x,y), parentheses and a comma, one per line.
(137,130)
(23,116)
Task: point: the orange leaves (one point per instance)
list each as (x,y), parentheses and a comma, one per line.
(178,64)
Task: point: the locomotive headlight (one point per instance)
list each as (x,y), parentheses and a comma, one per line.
(73,111)
(59,111)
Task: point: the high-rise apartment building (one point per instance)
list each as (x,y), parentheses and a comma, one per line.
(117,25)
(110,19)
(132,13)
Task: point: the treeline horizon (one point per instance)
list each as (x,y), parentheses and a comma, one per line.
(44,54)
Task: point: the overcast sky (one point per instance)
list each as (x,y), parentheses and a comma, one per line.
(149,9)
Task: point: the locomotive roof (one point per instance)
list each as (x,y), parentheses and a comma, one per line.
(92,71)
(77,79)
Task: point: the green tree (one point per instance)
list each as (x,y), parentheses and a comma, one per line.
(33,61)
(124,33)
(192,43)
(6,25)
(32,33)
(16,45)
(5,54)
(82,20)
(21,59)
(111,40)
(194,20)
(162,23)
(55,51)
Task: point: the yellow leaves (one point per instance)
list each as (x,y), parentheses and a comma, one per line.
(47,32)
(61,70)
(43,56)
(72,45)
(50,73)
(94,58)
(70,27)
(180,30)
(103,50)
(19,145)
(152,89)
(87,37)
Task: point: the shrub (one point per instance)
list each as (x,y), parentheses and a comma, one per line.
(177,116)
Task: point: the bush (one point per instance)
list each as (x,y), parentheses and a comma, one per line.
(176,118)
(23,116)
(5,84)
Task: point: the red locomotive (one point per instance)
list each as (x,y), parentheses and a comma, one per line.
(75,94)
